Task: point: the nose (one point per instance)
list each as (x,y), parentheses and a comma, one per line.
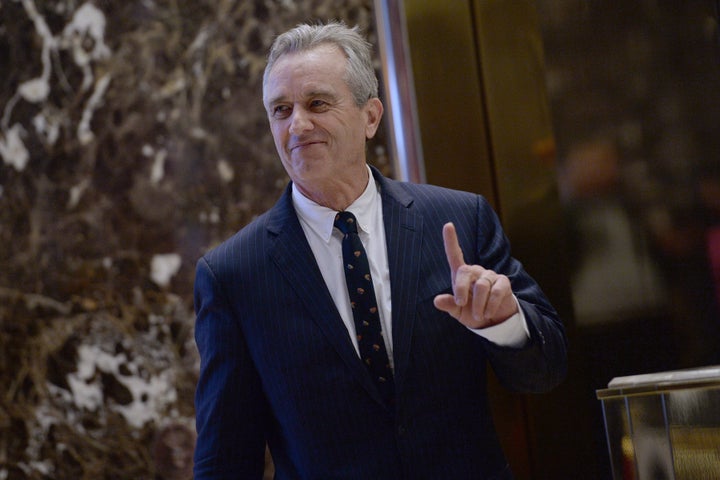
(300,122)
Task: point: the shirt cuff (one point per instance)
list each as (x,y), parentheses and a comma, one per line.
(513,332)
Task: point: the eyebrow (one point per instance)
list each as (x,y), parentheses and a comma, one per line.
(275,100)
(312,94)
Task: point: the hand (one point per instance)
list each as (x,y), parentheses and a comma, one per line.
(481,298)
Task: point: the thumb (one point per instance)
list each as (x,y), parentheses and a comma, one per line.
(446,303)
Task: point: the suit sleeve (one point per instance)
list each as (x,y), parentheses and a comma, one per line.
(229,402)
(542,363)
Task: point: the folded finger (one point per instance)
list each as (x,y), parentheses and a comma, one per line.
(481,294)
(465,280)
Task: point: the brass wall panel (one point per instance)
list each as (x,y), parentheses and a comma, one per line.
(486,127)
(449,96)
(519,121)
(512,63)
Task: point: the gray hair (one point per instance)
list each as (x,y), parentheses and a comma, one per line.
(360,74)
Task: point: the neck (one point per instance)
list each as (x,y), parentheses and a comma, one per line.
(339,194)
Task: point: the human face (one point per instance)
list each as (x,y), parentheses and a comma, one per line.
(318,129)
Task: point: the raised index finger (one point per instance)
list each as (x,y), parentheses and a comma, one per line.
(452,248)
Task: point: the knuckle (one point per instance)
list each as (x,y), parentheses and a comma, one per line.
(465,270)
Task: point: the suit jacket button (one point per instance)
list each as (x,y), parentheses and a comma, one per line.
(401,431)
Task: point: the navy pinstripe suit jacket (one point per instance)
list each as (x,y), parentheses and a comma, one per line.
(277,363)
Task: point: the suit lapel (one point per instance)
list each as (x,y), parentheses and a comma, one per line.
(294,259)
(403,233)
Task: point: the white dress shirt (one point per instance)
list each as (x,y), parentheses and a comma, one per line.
(326,243)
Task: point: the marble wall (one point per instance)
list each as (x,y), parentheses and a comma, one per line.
(132,138)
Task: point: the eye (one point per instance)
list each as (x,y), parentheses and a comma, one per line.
(281,111)
(318,104)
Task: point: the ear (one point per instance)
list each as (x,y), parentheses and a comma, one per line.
(373,113)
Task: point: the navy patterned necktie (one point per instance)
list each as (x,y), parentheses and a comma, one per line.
(364,306)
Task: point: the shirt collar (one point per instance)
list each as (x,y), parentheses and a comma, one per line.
(321,219)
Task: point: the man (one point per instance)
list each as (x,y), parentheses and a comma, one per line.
(283,342)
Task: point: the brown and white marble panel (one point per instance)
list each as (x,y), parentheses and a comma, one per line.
(132,138)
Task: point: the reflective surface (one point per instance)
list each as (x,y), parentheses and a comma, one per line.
(634,93)
(630,150)
(635,103)
(666,428)
(486,128)
(400,105)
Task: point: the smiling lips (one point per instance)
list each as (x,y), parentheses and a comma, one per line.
(304,144)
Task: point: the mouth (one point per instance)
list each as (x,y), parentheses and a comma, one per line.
(301,145)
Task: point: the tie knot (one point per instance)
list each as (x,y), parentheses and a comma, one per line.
(345,222)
